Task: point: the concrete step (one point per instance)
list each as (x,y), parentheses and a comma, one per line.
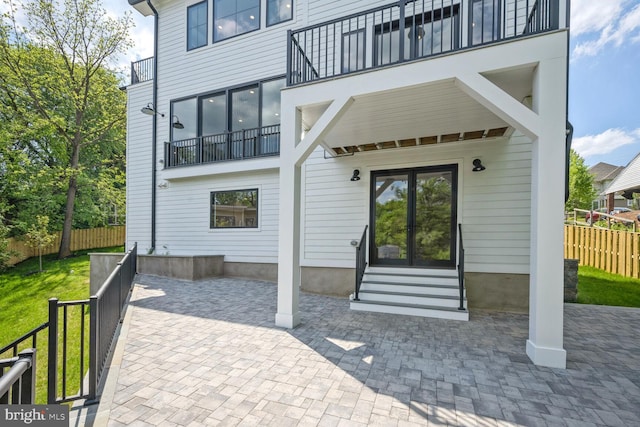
(411,310)
(408,299)
(411,288)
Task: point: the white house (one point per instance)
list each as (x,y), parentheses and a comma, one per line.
(277,130)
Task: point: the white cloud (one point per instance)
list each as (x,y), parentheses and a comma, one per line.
(598,24)
(605,142)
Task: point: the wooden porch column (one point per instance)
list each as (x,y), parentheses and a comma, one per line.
(546,290)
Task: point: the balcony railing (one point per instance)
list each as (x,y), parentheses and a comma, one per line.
(142,71)
(237,145)
(409,30)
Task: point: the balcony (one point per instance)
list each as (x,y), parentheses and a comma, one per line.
(409,30)
(142,71)
(237,145)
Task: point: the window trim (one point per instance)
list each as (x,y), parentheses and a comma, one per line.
(258,219)
(213,24)
(266,15)
(206,38)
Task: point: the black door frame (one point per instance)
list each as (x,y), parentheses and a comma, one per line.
(411,213)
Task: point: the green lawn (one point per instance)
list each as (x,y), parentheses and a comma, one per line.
(598,287)
(24,295)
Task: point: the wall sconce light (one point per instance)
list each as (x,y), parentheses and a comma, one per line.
(477,165)
(356,175)
(163,184)
(149,110)
(176,122)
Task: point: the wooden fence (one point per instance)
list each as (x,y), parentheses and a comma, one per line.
(613,251)
(80,239)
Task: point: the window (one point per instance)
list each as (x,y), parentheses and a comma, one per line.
(234,17)
(234,209)
(353,51)
(185,112)
(279,11)
(485,16)
(197,25)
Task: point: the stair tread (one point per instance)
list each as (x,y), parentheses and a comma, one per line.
(424,285)
(407,294)
(436,276)
(421,306)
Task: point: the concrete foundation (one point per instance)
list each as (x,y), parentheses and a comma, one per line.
(244,270)
(101,265)
(571,280)
(328,281)
(182,267)
(503,292)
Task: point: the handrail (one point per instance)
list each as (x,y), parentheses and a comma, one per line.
(361,261)
(20,380)
(461,267)
(142,70)
(31,334)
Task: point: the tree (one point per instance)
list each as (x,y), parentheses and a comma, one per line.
(65,102)
(581,191)
(38,236)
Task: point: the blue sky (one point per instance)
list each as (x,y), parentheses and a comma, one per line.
(604,75)
(604,80)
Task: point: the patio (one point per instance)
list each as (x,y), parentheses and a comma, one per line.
(208,353)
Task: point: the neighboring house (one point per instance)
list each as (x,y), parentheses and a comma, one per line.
(627,182)
(603,176)
(415,119)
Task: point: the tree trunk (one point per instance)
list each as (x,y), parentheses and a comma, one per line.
(65,241)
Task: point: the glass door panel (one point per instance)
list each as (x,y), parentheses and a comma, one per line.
(390,213)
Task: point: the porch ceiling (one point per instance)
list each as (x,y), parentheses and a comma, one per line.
(416,115)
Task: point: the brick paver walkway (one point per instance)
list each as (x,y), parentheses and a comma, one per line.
(208,353)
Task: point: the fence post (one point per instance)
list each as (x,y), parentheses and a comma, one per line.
(28,387)
(94,318)
(52,365)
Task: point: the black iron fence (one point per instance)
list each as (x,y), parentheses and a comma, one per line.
(18,379)
(142,70)
(361,262)
(73,343)
(237,145)
(410,29)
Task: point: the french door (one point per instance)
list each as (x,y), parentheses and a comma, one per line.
(414,216)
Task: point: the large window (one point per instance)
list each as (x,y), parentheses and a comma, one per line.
(234,17)
(279,11)
(197,25)
(485,19)
(234,209)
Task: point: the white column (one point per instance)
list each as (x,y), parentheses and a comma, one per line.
(288,315)
(546,287)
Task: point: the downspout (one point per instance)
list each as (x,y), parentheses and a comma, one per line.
(154,142)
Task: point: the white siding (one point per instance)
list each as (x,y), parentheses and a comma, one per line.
(139,167)
(184,214)
(494,204)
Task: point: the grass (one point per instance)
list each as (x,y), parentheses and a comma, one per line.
(599,287)
(24,295)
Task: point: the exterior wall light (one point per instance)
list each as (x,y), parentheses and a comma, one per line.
(356,175)
(149,110)
(477,165)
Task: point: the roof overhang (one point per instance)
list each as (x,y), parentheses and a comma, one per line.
(141,6)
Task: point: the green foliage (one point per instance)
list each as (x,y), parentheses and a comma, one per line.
(38,236)
(62,151)
(599,287)
(5,254)
(581,191)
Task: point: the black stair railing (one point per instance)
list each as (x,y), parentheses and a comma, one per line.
(361,262)
(18,383)
(461,267)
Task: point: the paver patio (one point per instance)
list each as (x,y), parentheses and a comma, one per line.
(208,353)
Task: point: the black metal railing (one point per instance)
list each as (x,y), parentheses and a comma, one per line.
(142,70)
(461,267)
(237,145)
(361,262)
(18,382)
(105,310)
(408,30)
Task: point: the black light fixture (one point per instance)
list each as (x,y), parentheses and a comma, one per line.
(356,175)
(150,111)
(176,122)
(477,165)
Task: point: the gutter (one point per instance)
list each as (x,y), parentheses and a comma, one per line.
(154,142)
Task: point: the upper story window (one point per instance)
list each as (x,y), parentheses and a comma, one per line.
(197,25)
(279,11)
(485,19)
(234,17)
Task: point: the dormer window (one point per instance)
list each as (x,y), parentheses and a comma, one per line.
(279,11)
(234,17)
